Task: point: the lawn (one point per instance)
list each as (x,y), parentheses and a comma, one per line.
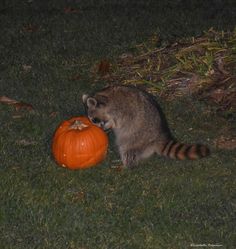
(48,51)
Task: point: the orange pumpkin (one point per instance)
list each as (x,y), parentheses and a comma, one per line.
(79,144)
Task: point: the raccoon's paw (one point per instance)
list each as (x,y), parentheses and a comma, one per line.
(130,158)
(107,125)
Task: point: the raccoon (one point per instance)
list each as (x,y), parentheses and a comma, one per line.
(138,123)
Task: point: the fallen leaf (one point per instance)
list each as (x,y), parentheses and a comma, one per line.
(104,67)
(22,105)
(17,104)
(53,114)
(30,28)
(69,10)
(26,68)
(8,101)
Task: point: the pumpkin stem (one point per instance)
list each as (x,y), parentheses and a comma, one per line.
(78,125)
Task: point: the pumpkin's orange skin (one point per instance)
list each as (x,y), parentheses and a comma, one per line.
(79,148)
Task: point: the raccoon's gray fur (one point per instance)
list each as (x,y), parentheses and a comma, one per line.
(138,123)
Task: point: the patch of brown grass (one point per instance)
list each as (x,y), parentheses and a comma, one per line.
(203,67)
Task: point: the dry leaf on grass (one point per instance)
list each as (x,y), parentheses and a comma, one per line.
(68,10)
(26,68)
(22,105)
(17,104)
(30,28)
(53,114)
(104,67)
(8,101)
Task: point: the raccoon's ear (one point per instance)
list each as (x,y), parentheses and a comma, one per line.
(84,98)
(91,102)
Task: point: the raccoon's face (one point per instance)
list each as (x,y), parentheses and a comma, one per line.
(96,108)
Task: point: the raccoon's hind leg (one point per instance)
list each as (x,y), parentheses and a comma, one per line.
(130,158)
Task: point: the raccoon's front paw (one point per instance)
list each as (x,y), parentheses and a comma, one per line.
(107,125)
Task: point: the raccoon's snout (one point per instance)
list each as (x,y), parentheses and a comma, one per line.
(98,122)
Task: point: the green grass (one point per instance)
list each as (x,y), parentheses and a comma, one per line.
(161,204)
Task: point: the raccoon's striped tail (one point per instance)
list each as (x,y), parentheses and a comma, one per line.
(176,150)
